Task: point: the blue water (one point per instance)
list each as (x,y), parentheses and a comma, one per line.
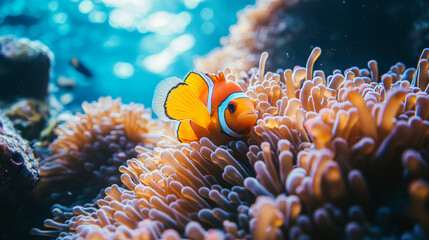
(129,45)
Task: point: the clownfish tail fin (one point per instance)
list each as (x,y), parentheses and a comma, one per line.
(175,100)
(160,97)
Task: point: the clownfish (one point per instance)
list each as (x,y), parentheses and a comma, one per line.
(207,105)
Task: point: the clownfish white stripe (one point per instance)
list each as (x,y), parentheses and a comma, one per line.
(221,111)
(176,129)
(210,83)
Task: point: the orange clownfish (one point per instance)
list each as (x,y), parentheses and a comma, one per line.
(207,105)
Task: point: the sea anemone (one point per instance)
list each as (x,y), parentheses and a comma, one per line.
(89,149)
(342,156)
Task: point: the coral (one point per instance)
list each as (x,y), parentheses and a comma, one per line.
(24,69)
(48,133)
(89,149)
(29,117)
(19,174)
(384,30)
(331,157)
(246,40)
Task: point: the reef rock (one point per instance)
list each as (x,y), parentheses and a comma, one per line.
(382,30)
(24,68)
(29,117)
(18,175)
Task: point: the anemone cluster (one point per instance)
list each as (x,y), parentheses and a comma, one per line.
(331,157)
(89,149)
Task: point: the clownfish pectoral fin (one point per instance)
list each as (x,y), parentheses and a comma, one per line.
(185,133)
(199,82)
(175,100)
(204,83)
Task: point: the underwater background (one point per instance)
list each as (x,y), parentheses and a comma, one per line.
(337,145)
(129,46)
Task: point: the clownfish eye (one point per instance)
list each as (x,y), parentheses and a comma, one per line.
(231,107)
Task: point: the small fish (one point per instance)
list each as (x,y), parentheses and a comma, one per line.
(21,19)
(80,67)
(207,105)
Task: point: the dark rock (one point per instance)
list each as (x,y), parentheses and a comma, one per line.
(18,177)
(24,69)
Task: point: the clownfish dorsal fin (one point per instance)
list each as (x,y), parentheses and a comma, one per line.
(220,77)
(175,100)
(185,133)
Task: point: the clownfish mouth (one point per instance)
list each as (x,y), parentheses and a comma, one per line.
(248,117)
